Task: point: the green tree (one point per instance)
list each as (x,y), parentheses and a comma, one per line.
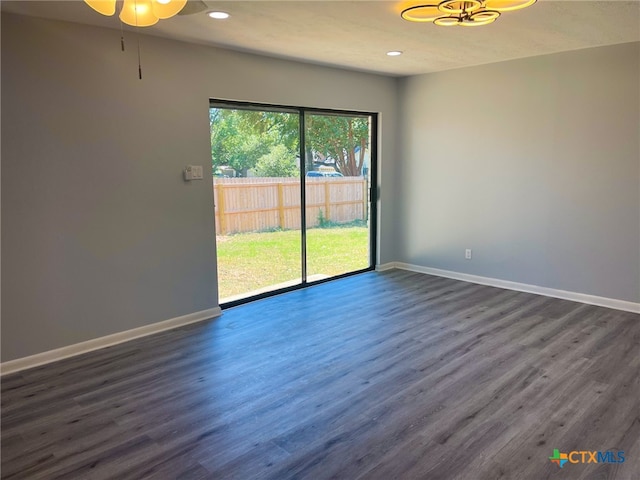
(282,128)
(239,138)
(235,141)
(338,137)
(279,162)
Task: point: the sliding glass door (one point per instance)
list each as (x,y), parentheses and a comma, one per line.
(338,236)
(256,195)
(291,195)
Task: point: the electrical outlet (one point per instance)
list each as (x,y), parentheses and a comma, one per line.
(467,254)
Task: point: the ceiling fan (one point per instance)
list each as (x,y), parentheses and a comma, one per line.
(144,13)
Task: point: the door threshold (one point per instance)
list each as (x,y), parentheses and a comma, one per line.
(271,288)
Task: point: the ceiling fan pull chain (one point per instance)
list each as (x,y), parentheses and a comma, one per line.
(139,62)
(121,29)
(135,8)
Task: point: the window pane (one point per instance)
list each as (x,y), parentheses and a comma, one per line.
(337,185)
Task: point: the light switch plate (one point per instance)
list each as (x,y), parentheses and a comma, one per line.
(193,172)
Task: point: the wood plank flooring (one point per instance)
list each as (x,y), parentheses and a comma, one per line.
(392,375)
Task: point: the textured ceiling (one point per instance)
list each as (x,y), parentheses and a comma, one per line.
(357,34)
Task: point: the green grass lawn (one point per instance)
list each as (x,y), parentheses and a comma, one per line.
(250,261)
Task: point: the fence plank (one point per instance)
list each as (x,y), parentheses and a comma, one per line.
(281,204)
(254,204)
(327,201)
(223,225)
(364,201)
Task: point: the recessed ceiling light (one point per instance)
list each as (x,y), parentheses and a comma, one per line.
(218,15)
(394,53)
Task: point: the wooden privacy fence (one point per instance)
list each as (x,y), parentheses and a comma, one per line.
(254,204)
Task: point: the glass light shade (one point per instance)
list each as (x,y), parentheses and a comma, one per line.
(447,21)
(421,13)
(508,5)
(138,13)
(105,7)
(459,6)
(163,9)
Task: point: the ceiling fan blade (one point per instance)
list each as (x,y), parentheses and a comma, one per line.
(193,6)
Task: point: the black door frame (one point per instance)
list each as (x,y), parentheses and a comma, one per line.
(373,187)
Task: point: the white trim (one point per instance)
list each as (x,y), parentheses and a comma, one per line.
(523,287)
(24,363)
(31,361)
(383,267)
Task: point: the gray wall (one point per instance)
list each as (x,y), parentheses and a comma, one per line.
(534,164)
(99,232)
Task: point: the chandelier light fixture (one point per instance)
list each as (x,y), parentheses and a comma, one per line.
(139,13)
(464,13)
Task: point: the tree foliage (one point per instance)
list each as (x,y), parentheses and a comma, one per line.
(338,137)
(241,139)
(279,162)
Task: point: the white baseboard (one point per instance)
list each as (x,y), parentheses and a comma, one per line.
(385,266)
(31,361)
(520,287)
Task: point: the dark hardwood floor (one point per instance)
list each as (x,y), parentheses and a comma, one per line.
(379,376)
